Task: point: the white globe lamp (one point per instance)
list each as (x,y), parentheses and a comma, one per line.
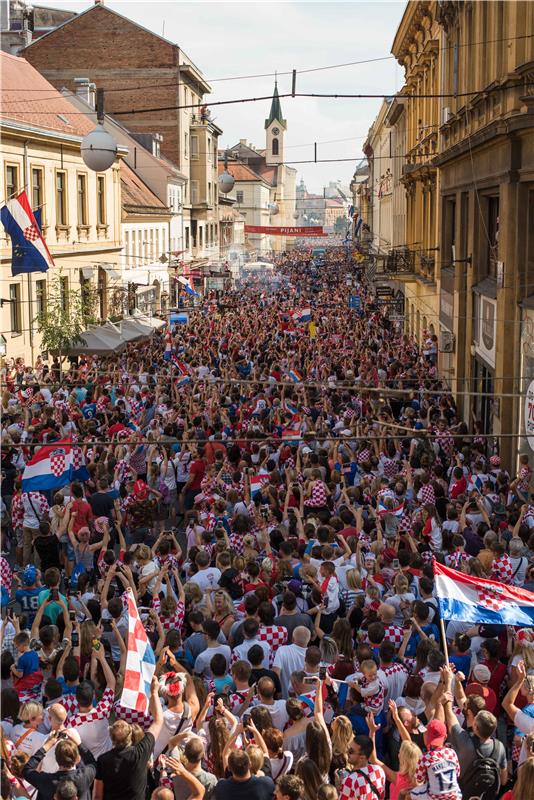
(273,209)
(226,182)
(98,149)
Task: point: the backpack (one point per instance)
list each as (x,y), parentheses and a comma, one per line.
(482,779)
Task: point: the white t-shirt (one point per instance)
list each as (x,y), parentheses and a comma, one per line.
(206,577)
(278,713)
(31,743)
(289,658)
(241,651)
(203,660)
(148,569)
(172,724)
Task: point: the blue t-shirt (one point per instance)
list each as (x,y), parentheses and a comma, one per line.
(65,688)
(28,663)
(29,601)
(462,663)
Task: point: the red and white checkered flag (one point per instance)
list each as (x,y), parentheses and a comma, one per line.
(140,663)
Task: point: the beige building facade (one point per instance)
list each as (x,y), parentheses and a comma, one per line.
(40,151)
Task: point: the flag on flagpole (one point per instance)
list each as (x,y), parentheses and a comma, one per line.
(140,662)
(53,466)
(29,250)
(470,599)
(294,376)
(183,381)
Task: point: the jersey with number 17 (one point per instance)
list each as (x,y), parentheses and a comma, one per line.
(437,772)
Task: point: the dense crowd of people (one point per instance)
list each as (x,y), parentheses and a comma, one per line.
(272,483)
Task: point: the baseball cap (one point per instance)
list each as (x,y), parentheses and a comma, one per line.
(29,575)
(140,490)
(481,673)
(436,733)
(489,696)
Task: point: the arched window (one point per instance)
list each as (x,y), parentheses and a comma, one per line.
(275,147)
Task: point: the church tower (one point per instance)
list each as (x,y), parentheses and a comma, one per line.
(275,128)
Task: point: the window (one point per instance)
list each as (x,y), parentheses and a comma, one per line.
(187,238)
(209,191)
(82,198)
(40,296)
(275,147)
(61,198)
(209,148)
(101,200)
(194,147)
(200,236)
(194,192)
(16,311)
(64,293)
(12,180)
(37,187)
(186,140)
(493,235)
(239,196)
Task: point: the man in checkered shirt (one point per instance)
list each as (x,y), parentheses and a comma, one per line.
(92,722)
(366,781)
(438,769)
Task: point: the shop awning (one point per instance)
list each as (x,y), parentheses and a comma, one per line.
(152,322)
(114,273)
(98,341)
(134,330)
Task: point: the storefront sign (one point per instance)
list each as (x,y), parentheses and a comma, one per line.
(310,230)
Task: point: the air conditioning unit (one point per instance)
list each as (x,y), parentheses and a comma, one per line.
(446,342)
(445,115)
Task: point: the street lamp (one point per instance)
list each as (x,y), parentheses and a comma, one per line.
(99,148)
(226,180)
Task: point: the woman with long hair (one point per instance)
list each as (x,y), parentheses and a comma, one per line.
(524,785)
(219,735)
(308,771)
(341,734)
(223,610)
(281,760)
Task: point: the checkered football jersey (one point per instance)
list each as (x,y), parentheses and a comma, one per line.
(437,772)
(17,511)
(275,636)
(394,634)
(175,621)
(359,784)
(76,718)
(6,576)
(132,716)
(319,497)
(502,569)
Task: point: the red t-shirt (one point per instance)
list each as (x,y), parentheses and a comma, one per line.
(350,530)
(196,473)
(458,487)
(84,515)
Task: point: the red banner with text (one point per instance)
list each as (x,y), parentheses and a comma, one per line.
(310,230)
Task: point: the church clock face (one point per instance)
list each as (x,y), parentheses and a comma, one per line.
(276,131)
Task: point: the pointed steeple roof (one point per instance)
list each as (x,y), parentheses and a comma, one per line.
(276,109)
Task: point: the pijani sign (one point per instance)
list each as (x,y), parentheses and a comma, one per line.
(272,230)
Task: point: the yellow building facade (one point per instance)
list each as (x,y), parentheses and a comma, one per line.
(40,152)
(417,47)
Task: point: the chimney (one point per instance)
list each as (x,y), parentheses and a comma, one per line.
(99,2)
(82,89)
(243,142)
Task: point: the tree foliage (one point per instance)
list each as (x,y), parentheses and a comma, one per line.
(66,315)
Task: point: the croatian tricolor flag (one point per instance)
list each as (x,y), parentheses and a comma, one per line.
(180,366)
(295,376)
(291,407)
(183,381)
(140,662)
(53,466)
(29,250)
(256,482)
(302,315)
(476,600)
(187,284)
(397,510)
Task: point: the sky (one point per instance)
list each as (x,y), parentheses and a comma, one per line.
(229,39)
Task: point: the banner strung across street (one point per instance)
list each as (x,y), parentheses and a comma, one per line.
(310,230)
